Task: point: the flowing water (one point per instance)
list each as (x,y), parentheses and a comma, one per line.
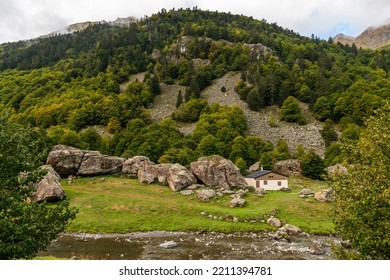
(190,245)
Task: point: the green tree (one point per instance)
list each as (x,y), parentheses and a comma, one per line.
(362,202)
(328,132)
(92,139)
(313,165)
(291,112)
(26,227)
(179,99)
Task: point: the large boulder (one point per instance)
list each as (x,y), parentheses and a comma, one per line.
(217,172)
(290,229)
(274,222)
(49,188)
(132,165)
(254,167)
(65,160)
(237,202)
(179,177)
(159,171)
(288,167)
(325,195)
(94,163)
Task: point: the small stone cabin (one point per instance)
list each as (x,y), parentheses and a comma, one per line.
(267,179)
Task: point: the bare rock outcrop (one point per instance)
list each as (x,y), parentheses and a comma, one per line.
(65,160)
(288,167)
(324,195)
(133,165)
(217,172)
(94,163)
(70,161)
(49,188)
(179,177)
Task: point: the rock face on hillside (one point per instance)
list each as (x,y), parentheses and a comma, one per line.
(67,161)
(49,188)
(133,165)
(217,172)
(288,167)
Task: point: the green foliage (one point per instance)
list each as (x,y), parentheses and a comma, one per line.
(26,228)
(92,139)
(300,152)
(241,164)
(322,109)
(362,203)
(313,166)
(291,112)
(190,111)
(179,99)
(328,132)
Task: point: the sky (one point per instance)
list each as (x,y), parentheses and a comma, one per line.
(25,19)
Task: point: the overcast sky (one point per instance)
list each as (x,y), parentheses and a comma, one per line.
(23,19)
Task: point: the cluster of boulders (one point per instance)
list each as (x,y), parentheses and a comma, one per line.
(214,173)
(325,195)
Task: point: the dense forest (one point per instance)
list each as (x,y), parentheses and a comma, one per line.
(65,84)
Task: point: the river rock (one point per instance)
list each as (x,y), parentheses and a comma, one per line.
(65,160)
(290,229)
(169,245)
(288,167)
(237,202)
(325,195)
(217,172)
(49,188)
(205,194)
(274,222)
(179,177)
(94,164)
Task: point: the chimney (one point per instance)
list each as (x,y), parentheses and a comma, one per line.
(261,168)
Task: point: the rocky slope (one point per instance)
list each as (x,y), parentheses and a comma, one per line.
(371,38)
(257,122)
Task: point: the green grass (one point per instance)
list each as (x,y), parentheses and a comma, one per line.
(121,205)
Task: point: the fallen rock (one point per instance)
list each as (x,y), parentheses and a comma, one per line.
(254,167)
(169,245)
(65,160)
(205,194)
(186,192)
(49,188)
(145,177)
(306,192)
(290,229)
(94,164)
(260,191)
(274,222)
(237,202)
(288,167)
(217,172)
(179,177)
(325,195)
(132,165)
(335,170)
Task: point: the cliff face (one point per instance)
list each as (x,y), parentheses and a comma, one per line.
(371,38)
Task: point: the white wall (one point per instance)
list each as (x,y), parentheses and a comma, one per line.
(272,185)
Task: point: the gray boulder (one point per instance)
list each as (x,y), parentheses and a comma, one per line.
(288,167)
(49,188)
(179,177)
(65,160)
(254,167)
(205,194)
(274,222)
(169,245)
(145,177)
(325,195)
(132,165)
(290,229)
(217,172)
(237,202)
(306,192)
(94,164)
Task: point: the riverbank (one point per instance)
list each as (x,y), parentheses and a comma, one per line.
(190,246)
(121,205)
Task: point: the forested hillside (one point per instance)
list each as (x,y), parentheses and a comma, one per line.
(67,83)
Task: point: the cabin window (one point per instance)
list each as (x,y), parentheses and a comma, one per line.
(271,177)
(279,183)
(265,183)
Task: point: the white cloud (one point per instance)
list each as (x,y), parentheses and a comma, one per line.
(22,19)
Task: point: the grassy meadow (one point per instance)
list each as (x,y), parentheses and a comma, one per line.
(120,205)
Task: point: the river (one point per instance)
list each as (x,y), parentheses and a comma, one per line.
(190,246)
